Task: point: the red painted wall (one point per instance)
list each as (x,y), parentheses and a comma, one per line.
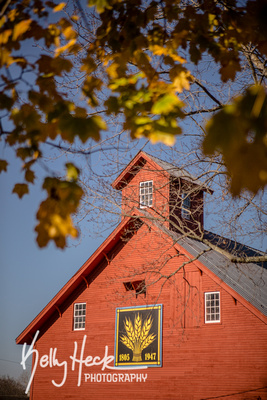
(200,361)
(160,178)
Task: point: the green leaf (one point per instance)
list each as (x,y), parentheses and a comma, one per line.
(238,133)
(72,172)
(84,128)
(100,5)
(166,104)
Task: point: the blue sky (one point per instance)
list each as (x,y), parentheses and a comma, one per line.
(30,276)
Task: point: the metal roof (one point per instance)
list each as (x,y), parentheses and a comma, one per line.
(177,172)
(247,279)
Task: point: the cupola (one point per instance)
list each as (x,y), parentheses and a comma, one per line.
(162,190)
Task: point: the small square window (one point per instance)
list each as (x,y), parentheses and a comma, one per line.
(212,307)
(79,316)
(138,286)
(146,194)
(186,204)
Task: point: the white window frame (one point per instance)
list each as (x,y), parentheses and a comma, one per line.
(144,191)
(79,316)
(186,206)
(214,309)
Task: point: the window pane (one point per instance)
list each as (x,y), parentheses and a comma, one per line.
(146,194)
(79,316)
(212,307)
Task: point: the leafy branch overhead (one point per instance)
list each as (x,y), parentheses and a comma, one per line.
(145,52)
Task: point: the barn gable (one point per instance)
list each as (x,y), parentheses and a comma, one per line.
(247,282)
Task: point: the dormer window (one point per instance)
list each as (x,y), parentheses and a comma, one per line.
(186,206)
(146,194)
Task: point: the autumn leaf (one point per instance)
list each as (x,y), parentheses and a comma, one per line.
(228,70)
(21,28)
(3,165)
(29,176)
(238,132)
(21,189)
(72,172)
(6,102)
(66,47)
(166,104)
(59,7)
(100,5)
(54,215)
(134,62)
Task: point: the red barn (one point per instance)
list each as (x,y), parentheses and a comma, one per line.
(161,310)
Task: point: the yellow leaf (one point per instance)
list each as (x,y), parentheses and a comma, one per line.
(161,50)
(59,7)
(166,104)
(4,36)
(182,81)
(72,172)
(2,21)
(61,226)
(21,28)
(69,33)
(165,138)
(67,46)
(112,70)
(99,4)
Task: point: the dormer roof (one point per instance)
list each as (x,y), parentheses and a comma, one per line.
(142,158)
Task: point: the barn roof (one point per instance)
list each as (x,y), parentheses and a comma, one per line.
(249,280)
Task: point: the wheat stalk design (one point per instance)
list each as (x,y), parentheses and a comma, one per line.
(138,337)
(148,341)
(127,342)
(146,328)
(129,329)
(137,326)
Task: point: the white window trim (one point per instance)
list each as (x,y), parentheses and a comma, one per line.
(141,205)
(217,320)
(77,316)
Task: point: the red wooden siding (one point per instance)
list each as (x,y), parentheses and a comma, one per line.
(200,361)
(149,172)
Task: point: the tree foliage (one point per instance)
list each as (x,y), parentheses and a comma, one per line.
(139,63)
(10,386)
